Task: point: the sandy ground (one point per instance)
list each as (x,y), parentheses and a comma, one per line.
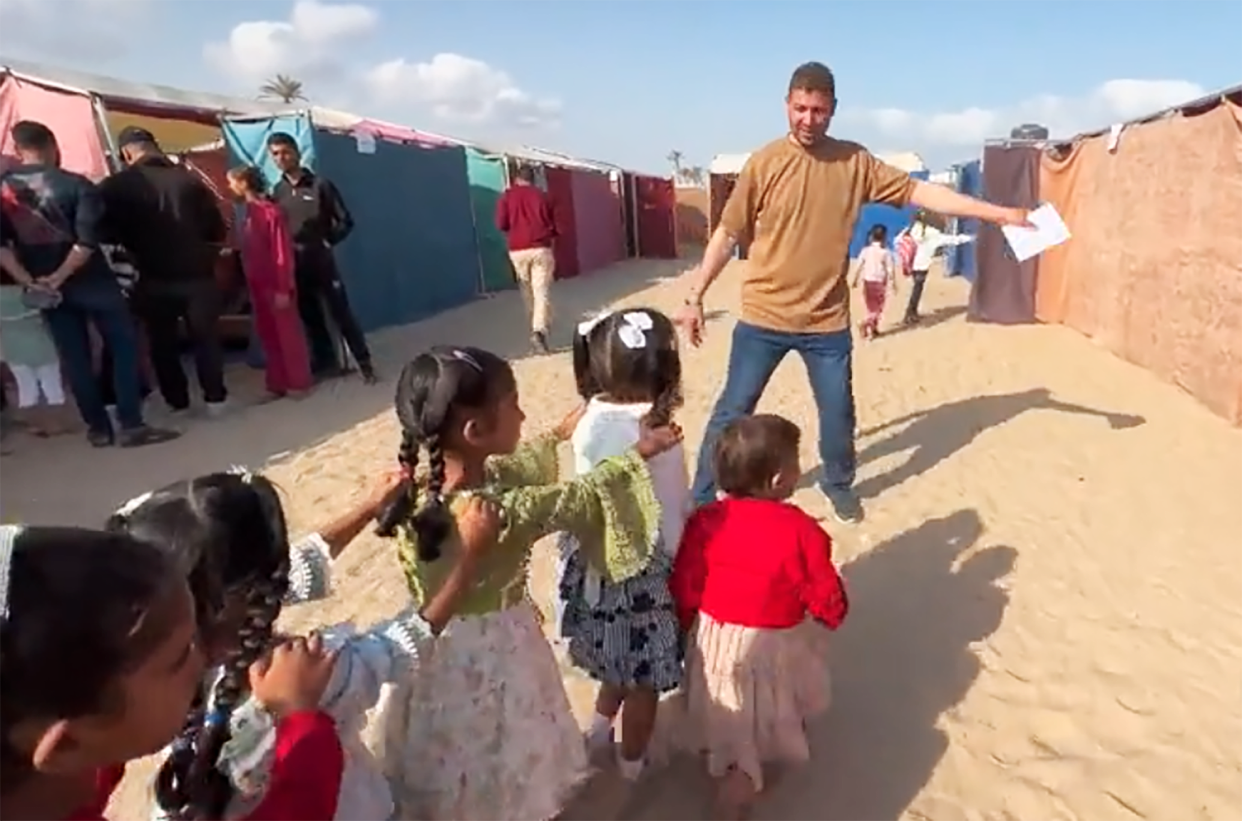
(1046,623)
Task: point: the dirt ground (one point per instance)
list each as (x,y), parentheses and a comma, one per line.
(1046,614)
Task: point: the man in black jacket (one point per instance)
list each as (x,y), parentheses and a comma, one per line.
(318,221)
(169,222)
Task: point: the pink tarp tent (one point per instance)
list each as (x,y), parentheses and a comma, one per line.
(70,116)
(600,219)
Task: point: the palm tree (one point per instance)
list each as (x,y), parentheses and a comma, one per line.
(284,88)
(674,157)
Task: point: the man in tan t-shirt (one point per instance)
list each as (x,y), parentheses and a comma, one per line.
(796,201)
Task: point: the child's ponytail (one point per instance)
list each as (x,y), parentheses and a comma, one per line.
(432,523)
(401,508)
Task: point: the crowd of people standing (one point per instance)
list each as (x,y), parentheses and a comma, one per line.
(133,260)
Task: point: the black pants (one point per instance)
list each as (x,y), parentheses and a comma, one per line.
(320,288)
(916,294)
(162,307)
(107,377)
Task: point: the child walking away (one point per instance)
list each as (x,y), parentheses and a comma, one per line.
(619,621)
(755,585)
(877,270)
(230,533)
(100,662)
(31,356)
(928,241)
(488,731)
(267,258)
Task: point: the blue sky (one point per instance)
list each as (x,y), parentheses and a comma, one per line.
(629,81)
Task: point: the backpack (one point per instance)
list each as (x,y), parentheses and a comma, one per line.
(907,247)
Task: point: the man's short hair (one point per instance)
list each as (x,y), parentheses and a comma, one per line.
(814,77)
(30,135)
(525,173)
(283,139)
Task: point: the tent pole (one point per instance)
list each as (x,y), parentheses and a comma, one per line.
(105,133)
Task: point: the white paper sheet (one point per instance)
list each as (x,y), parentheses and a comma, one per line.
(1050,230)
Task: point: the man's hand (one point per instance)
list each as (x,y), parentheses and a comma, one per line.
(1018,217)
(53,282)
(565,428)
(690,317)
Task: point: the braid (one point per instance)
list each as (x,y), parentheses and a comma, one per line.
(401,508)
(662,407)
(432,522)
(190,777)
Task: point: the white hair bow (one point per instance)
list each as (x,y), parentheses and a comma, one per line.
(587,325)
(127,509)
(632,331)
(8,540)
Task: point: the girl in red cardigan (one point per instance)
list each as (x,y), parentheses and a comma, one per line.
(755,587)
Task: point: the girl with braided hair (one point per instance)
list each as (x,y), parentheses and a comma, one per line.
(488,731)
(228,532)
(622,630)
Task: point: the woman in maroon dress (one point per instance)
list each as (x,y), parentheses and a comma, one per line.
(267,258)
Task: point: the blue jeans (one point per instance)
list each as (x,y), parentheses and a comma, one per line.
(98,301)
(753,358)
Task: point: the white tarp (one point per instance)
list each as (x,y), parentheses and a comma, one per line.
(907,161)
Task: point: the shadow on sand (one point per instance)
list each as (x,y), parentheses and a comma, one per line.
(902,658)
(931,436)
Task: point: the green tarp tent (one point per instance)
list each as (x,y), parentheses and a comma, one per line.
(487,181)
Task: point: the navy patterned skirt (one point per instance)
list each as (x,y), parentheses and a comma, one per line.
(630,637)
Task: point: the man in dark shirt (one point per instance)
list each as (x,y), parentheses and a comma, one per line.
(49,243)
(318,221)
(168,221)
(524,216)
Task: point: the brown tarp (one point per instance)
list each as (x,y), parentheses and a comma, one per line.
(692,215)
(1154,269)
(1004,289)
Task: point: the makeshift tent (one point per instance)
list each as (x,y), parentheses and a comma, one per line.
(487,176)
(561,195)
(1003,289)
(1154,268)
(656,202)
(692,209)
(960,259)
(70,115)
(599,220)
(893,219)
(413,252)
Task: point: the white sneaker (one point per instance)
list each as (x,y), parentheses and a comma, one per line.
(631,771)
(216,409)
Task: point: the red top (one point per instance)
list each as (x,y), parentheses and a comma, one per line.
(305,781)
(524,216)
(106,781)
(757,563)
(267,249)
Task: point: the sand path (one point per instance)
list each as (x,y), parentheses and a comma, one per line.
(1047,620)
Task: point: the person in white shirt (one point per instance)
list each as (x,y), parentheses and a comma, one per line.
(930,240)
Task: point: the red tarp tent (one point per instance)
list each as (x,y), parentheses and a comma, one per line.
(655,202)
(599,219)
(561,194)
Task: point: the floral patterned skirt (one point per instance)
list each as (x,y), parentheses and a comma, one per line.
(485,731)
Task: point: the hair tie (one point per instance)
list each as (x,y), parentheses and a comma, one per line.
(8,541)
(244,472)
(458,353)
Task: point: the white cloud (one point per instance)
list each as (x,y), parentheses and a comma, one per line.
(1113,101)
(307,45)
(460,89)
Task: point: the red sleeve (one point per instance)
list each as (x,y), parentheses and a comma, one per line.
(502,213)
(106,781)
(305,781)
(690,570)
(281,250)
(822,591)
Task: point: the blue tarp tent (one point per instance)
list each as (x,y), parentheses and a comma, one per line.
(894,219)
(413,251)
(960,259)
